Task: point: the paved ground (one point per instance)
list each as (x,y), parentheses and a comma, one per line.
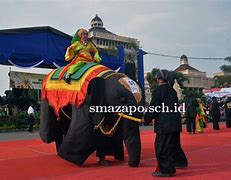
(24,135)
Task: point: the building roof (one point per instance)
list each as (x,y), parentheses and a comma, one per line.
(184,67)
(183,57)
(96,18)
(34,29)
(100,29)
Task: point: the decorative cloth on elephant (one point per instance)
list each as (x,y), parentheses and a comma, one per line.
(61,94)
(133,87)
(79,53)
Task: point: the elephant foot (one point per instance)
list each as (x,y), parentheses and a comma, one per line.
(103,162)
(117,158)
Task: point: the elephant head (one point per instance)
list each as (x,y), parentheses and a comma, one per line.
(75,132)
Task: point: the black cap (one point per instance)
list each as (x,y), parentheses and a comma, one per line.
(162,74)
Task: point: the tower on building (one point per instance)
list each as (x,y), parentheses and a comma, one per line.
(197,79)
(109,41)
(183,59)
(97,22)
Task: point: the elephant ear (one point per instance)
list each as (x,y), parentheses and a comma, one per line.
(95,97)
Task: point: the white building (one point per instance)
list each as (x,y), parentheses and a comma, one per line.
(105,39)
(221,74)
(147,89)
(197,79)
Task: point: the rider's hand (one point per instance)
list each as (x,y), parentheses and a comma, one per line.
(97,58)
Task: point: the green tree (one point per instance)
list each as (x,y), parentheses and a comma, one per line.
(173,75)
(226,68)
(224,81)
(151,78)
(179,77)
(20,98)
(197,92)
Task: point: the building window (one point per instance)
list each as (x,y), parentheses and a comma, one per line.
(97,41)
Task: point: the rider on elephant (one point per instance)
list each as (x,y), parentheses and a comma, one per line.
(79,52)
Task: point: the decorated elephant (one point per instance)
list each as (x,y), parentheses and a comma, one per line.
(69,114)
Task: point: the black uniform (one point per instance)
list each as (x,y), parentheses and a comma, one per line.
(191,113)
(167,127)
(228,113)
(215,112)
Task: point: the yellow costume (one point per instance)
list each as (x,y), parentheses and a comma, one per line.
(200,118)
(80,52)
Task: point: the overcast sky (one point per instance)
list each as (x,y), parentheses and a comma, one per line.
(191,27)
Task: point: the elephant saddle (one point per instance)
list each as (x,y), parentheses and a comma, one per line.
(59,93)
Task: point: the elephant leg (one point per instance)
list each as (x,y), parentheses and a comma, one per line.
(50,129)
(131,136)
(117,141)
(62,125)
(111,146)
(48,124)
(58,142)
(80,140)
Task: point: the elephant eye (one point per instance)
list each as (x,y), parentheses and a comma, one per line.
(122,100)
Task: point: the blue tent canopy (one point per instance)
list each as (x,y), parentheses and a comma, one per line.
(45,47)
(36,46)
(42,47)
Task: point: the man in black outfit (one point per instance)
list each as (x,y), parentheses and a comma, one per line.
(228,112)
(191,113)
(215,112)
(167,127)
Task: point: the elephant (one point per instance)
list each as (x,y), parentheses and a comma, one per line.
(69,119)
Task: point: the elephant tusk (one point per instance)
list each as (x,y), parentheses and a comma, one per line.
(129,117)
(117,70)
(65,114)
(100,124)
